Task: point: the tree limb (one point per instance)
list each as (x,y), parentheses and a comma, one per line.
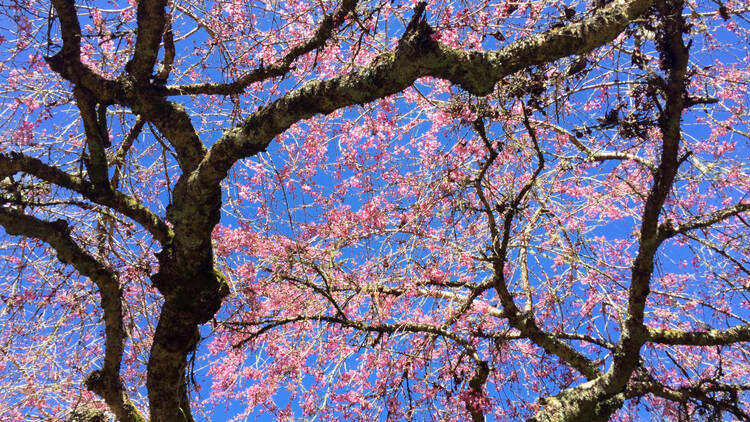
(666,230)
(106,381)
(740,333)
(417,55)
(634,332)
(96,164)
(14,162)
(317,41)
(151,20)
(701,392)
(67,62)
(598,399)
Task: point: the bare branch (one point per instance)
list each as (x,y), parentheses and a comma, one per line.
(119,159)
(317,41)
(701,392)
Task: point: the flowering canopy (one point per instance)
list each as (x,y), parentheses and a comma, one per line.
(356,210)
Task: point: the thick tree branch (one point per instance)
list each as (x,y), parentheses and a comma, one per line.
(417,55)
(15,162)
(152,18)
(740,333)
(105,382)
(70,28)
(96,164)
(174,123)
(67,62)
(666,230)
(598,399)
(672,47)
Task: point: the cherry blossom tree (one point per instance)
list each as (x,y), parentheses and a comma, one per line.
(348,210)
